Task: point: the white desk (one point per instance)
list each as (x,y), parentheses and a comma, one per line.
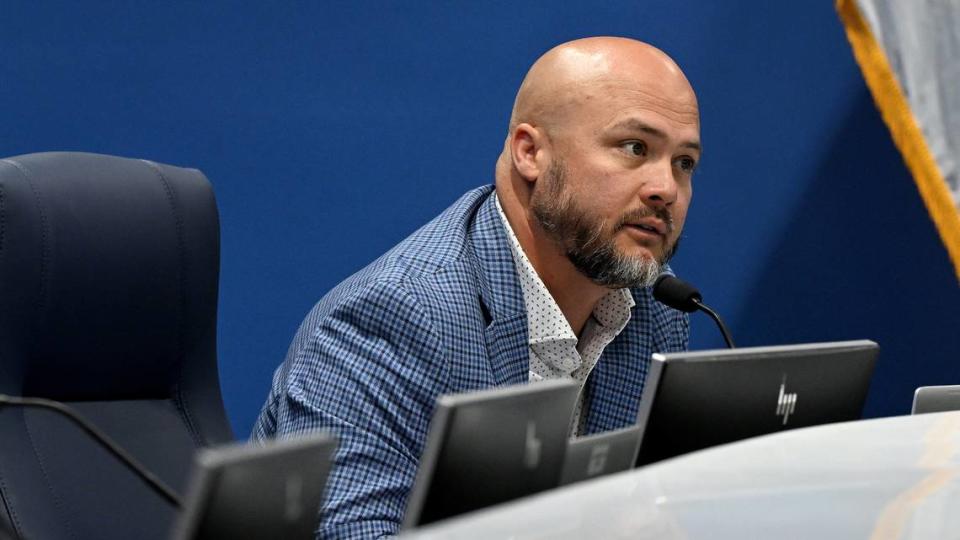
(891,478)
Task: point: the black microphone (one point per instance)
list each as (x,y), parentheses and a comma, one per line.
(681,295)
(139,470)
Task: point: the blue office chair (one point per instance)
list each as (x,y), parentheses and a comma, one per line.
(108,301)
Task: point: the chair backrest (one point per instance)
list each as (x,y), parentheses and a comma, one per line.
(109,272)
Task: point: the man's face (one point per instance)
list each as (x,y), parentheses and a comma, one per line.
(588,240)
(616,193)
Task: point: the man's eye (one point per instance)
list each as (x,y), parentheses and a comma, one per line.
(636,148)
(686,164)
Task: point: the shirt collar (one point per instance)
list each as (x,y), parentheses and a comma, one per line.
(545,320)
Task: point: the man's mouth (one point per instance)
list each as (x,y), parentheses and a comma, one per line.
(649,220)
(645,234)
(651,225)
(645,228)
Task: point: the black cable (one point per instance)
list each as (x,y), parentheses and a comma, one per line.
(713,315)
(138,469)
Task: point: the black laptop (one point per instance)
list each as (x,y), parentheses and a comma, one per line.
(490,447)
(257,491)
(600,454)
(695,400)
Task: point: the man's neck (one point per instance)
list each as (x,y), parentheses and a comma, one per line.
(575,295)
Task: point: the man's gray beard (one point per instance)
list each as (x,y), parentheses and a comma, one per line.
(583,240)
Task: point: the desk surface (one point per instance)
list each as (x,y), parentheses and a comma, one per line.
(890,478)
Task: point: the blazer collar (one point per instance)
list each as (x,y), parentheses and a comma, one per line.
(501,296)
(617,381)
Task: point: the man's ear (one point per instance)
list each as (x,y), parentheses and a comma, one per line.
(528,149)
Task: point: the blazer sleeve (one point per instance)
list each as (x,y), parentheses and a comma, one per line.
(369,371)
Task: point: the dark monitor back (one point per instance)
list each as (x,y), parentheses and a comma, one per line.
(258,491)
(490,447)
(928,399)
(600,454)
(696,400)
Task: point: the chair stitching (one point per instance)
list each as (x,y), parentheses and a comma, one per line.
(46,477)
(3,221)
(44,244)
(8,509)
(182,278)
(44,255)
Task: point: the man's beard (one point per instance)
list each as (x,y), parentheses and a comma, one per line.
(586,241)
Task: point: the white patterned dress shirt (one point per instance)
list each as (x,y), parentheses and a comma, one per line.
(555,351)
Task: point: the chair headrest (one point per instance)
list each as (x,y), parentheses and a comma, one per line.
(108,275)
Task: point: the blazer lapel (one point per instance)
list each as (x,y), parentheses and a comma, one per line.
(509,350)
(500,292)
(616,383)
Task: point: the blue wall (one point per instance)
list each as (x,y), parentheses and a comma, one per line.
(332,130)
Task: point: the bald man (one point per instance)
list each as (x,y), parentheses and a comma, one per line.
(544,275)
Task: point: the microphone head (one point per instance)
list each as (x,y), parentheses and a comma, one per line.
(676,293)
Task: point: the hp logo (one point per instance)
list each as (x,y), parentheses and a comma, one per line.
(294,491)
(532,448)
(786,403)
(598,459)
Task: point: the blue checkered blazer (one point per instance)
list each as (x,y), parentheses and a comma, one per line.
(441,312)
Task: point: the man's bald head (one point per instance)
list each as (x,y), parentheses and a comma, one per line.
(568,75)
(597,166)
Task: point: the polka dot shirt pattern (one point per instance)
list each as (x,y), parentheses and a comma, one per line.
(555,351)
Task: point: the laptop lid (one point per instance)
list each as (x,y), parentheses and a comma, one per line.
(695,400)
(257,491)
(600,454)
(928,399)
(491,446)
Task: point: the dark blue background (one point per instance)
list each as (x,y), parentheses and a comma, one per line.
(332,130)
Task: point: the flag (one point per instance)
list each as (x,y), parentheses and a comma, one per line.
(909,52)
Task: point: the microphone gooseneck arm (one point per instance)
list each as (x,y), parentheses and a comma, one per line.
(139,470)
(713,315)
(678,294)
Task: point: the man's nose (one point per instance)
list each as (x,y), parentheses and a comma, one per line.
(658,186)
